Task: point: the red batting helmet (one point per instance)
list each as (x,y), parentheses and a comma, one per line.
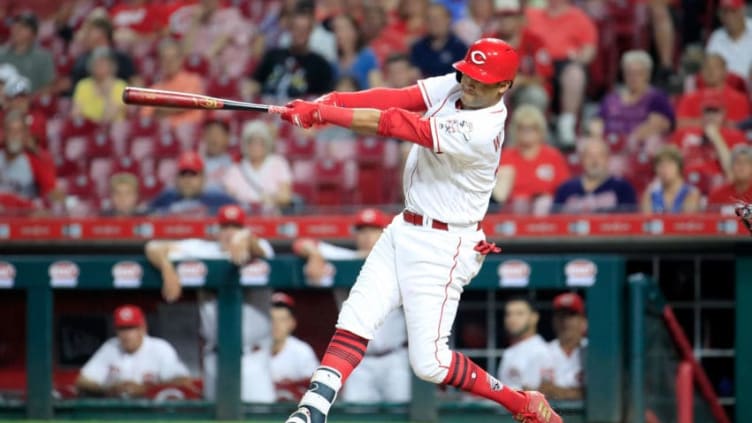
(489,60)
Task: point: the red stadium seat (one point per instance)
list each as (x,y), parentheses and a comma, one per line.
(81,186)
(196,63)
(75,148)
(329,177)
(370,151)
(46,103)
(167,170)
(299,148)
(63,64)
(224,87)
(100,170)
(149,187)
(142,148)
(78,127)
(99,145)
(166,146)
(574,164)
(127,165)
(65,167)
(187,136)
(144,126)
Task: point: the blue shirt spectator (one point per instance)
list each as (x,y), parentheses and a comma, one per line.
(189,197)
(435,53)
(595,191)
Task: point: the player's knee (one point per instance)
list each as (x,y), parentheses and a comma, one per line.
(428,369)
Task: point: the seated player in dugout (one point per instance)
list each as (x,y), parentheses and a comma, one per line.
(568,350)
(129,364)
(384,373)
(527,361)
(293,360)
(234,242)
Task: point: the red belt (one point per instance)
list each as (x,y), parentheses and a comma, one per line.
(417,220)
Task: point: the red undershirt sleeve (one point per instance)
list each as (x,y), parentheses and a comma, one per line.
(405,125)
(408,98)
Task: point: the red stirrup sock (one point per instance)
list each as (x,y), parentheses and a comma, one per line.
(344,353)
(468,376)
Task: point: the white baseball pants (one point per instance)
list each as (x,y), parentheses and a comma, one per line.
(424,270)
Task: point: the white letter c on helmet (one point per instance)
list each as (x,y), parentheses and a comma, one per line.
(478,57)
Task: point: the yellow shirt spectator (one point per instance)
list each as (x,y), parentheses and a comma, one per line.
(91,103)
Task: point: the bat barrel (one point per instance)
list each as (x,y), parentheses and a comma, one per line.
(159,98)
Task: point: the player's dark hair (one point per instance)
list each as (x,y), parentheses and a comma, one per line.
(394,58)
(522,299)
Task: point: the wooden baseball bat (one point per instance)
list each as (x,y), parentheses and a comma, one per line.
(162,98)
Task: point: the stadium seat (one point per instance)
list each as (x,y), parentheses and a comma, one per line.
(65,167)
(78,127)
(80,185)
(167,170)
(99,145)
(186,136)
(144,126)
(75,148)
(574,164)
(142,147)
(224,87)
(299,148)
(370,151)
(46,103)
(196,63)
(149,187)
(100,170)
(330,187)
(166,146)
(127,165)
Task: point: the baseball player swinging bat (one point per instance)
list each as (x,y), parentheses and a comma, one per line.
(161,98)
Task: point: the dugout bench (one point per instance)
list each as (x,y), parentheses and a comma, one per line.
(602,277)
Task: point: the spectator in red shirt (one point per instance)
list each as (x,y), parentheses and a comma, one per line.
(17,94)
(690,108)
(26,170)
(136,21)
(571,37)
(706,148)
(739,186)
(530,170)
(533,82)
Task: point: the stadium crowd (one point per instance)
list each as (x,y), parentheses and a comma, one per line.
(618,106)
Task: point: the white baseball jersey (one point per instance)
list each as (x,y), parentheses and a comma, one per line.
(255,323)
(526,364)
(452,182)
(568,368)
(295,361)
(156,361)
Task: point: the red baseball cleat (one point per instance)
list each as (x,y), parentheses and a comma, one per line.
(537,410)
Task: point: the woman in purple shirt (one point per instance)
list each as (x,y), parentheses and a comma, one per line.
(636,112)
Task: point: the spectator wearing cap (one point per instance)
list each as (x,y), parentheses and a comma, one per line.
(293,360)
(596,190)
(733,40)
(174,78)
(477,21)
(716,91)
(572,47)
(220,34)
(98,36)
(98,97)
(261,179)
(124,196)
(534,76)
(383,375)
(190,196)
(17,93)
(126,365)
(637,111)
(739,187)
(568,349)
(215,142)
(23,52)
(296,70)
(706,149)
(27,171)
(527,361)
(236,243)
(670,193)
(435,52)
(530,170)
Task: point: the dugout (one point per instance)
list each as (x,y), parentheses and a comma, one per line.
(715,268)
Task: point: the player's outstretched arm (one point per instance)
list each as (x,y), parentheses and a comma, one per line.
(408,98)
(245,246)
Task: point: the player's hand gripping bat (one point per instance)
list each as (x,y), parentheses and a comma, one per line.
(161,98)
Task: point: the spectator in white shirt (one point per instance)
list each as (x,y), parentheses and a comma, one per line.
(293,360)
(527,361)
(733,41)
(126,365)
(568,349)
